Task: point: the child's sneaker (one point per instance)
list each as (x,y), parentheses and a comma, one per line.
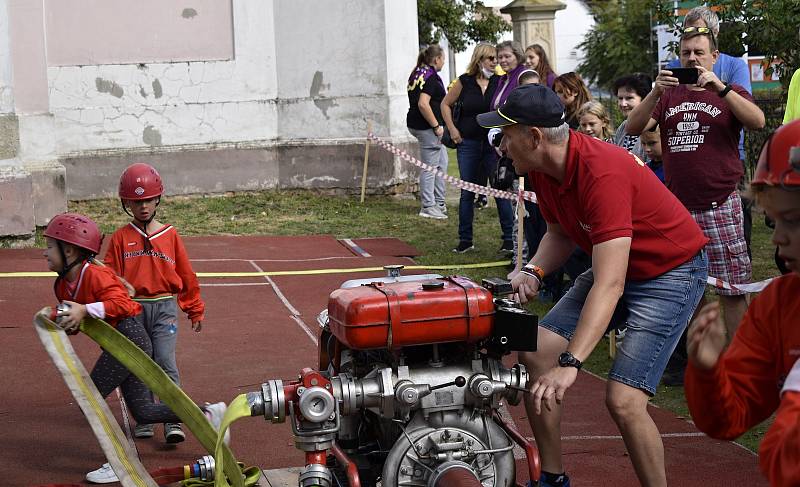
(507,248)
(103,475)
(143,431)
(173,433)
(214,413)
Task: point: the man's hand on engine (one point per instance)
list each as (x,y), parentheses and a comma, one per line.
(552,386)
(526,286)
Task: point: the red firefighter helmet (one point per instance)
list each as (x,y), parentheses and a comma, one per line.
(75,229)
(140,181)
(779,162)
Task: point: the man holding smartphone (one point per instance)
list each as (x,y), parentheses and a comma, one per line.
(700,125)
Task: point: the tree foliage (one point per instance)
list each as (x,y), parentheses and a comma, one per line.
(461,21)
(619,43)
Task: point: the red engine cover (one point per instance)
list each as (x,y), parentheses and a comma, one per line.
(452,309)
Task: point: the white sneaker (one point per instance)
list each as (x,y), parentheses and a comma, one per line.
(432,212)
(443,208)
(103,475)
(214,413)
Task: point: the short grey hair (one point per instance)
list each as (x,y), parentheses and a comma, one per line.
(706,15)
(556,135)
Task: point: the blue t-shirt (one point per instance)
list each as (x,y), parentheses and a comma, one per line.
(731,70)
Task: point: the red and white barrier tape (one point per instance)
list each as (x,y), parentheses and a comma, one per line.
(753,287)
(459,183)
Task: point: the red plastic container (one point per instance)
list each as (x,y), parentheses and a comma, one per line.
(394,315)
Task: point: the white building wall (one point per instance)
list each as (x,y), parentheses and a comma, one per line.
(134,105)
(6,93)
(326,79)
(286,105)
(571,26)
(331,80)
(402,46)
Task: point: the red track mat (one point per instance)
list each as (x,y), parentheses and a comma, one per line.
(261,328)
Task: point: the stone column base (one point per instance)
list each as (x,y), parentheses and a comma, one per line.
(16,204)
(30,195)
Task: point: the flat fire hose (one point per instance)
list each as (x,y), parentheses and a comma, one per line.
(112,441)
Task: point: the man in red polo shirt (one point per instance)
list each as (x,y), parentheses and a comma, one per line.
(647,263)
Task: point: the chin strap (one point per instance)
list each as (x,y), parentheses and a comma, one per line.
(136,221)
(68,267)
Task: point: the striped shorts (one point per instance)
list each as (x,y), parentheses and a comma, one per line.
(727,248)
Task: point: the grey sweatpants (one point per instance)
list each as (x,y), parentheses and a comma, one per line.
(433,153)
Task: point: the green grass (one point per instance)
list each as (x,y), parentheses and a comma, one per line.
(309,212)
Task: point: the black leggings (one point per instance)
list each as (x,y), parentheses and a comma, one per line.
(108,374)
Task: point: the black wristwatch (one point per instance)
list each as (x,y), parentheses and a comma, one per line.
(566,359)
(725,90)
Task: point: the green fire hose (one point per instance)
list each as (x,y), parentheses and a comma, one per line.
(232,474)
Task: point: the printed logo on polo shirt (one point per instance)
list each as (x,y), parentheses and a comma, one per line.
(586,228)
(139,190)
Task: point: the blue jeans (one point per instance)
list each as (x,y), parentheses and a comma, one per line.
(657,311)
(476,157)
(159,318)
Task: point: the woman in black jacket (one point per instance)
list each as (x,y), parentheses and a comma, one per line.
(473,91)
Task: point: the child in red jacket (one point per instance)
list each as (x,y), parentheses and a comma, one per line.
(92,289)
(730,392)
(152,258)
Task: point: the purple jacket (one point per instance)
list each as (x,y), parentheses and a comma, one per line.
(507,83)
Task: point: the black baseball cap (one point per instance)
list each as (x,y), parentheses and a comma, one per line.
(534,105)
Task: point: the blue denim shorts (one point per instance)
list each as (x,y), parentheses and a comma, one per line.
(657,311)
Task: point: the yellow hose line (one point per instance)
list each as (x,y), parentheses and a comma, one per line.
(68,359)
(481,265)
(139,363)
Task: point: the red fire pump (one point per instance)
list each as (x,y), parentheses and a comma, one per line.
(410,385)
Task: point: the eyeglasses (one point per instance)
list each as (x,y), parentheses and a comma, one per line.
(688,31)
(699,30)
(490,58)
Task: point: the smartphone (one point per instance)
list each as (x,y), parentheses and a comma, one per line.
(686,76)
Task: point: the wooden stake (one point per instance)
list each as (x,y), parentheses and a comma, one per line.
(366,163)
(612,343)
(520,224)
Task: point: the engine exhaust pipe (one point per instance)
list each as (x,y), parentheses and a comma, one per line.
(454,474)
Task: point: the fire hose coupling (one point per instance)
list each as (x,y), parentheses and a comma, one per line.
(316,404)
(202,468)
(58,312)
(315,475)
(270,401)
